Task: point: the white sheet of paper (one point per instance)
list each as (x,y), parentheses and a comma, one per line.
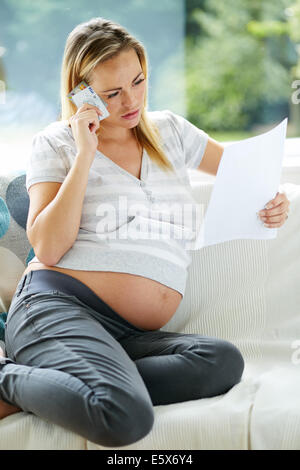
(248,178)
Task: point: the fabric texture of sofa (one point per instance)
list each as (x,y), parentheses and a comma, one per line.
(245,291)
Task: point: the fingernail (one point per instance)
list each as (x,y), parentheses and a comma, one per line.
(268,206)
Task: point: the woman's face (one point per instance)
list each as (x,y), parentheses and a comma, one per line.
(120,82)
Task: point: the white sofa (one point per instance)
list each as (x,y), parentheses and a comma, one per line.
(245,291)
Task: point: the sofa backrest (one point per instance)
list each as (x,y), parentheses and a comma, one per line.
(246,291)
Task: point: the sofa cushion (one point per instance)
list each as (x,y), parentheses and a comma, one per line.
(25,431)
(217,423)
(275,420)
(15,249)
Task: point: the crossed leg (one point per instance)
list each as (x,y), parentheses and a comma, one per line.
(178,367)
(66,368)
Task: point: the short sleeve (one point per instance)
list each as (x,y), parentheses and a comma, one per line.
(45,162)
(193,139)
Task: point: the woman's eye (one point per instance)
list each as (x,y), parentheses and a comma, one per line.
(139,81)
(111,96)
(116,93)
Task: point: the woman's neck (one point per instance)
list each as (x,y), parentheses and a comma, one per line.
(116,136)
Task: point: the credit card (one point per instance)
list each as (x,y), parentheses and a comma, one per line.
(83,93)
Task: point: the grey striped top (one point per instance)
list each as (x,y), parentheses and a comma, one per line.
(140,226)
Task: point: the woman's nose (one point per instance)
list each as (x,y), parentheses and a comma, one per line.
(128,100)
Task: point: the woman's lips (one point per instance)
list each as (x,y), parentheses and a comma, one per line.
(131,115)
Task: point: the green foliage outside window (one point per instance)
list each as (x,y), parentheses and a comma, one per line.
(241,59)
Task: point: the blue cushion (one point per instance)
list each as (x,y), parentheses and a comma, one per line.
(14,205)
(14,245)
(3,317)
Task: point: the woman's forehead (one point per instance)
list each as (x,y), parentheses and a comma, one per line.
(113,73)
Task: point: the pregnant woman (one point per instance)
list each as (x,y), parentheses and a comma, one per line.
(83,342)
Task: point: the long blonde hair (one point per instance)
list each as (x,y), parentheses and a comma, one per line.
(91,43)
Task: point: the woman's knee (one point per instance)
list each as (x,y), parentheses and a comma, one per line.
(229,363)
(120,419)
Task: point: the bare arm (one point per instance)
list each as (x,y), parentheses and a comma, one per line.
(211,158)
(54,229)
(55,209)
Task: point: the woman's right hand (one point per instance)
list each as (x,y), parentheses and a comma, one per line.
(84,125)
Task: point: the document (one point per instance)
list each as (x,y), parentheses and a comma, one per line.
(248,178)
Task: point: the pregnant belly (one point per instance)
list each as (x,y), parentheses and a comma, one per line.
(143,302)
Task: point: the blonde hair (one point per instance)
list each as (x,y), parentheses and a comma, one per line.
(94,42)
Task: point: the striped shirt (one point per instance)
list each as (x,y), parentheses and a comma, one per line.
(138,226)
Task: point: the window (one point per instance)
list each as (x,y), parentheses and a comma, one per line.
(242,64)
(32,39)
(232,68)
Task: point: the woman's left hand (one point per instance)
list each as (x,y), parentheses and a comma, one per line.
(276,211)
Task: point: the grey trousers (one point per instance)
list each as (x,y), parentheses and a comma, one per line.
(92,372)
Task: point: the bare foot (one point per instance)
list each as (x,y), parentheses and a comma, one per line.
(5,408)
